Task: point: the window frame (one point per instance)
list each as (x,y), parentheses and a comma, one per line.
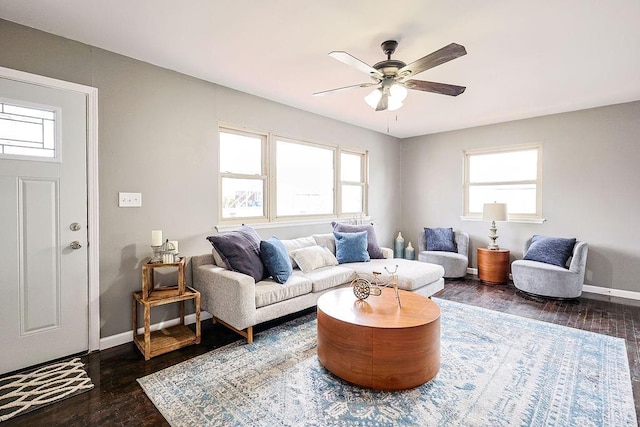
(263,176)
(364,155)
(269,170)
(516,217)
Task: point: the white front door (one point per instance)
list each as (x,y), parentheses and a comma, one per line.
(43,224)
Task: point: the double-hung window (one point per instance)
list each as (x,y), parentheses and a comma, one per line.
(352,182)
(510,175)
(243,177)
(268,178)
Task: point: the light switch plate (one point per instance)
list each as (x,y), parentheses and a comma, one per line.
(129,200)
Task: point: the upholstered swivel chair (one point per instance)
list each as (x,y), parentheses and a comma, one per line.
(455,263)
(549,280)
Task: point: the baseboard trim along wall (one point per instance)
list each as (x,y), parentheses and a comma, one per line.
(125,337)
(620,293)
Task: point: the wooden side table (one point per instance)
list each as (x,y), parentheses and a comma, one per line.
(493,265)
(168,339)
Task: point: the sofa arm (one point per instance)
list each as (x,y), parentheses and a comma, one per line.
(227,295)
(387,253)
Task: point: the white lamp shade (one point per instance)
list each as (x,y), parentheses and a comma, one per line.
(494,212)
(398,92)
(373,98)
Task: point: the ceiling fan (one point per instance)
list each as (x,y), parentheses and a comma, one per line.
(392,75)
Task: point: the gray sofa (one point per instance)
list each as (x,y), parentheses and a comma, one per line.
(238,302)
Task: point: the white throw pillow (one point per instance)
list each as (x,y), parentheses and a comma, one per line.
(293,244)
(313,257)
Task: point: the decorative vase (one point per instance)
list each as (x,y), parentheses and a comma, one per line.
(410,252)
(399,246)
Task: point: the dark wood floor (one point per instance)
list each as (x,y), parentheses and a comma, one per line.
(117,399)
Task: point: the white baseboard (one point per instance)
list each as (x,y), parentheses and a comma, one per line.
(125,337)
(620,293)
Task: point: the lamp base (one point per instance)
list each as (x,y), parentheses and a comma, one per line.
(493,235)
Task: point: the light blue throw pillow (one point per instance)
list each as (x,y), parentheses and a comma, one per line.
(351,247)
(550,250)
(275,259)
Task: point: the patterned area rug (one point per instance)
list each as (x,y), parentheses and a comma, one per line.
(22,393)
(496,370)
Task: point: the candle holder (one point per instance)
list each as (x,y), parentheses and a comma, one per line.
(157,255)
(168,252)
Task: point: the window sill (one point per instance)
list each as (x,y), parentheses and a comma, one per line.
(221,228)
(516,221)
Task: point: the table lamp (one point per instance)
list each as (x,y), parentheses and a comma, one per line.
(494,212)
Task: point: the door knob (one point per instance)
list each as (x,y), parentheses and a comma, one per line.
(75,245)
(75,226)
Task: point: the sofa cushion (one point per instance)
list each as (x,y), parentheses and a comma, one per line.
(292,244)
(240,250)
(275,259)
(313,257)
(269,292)
(326,240)
(411,274)
(328,277)
(550,250)
(440,239)
(372,241)
(351,247)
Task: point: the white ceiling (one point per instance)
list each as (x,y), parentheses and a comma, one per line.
(525,58)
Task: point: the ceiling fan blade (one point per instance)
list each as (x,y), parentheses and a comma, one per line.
(354,62)
(340,89)
(383,104)
(434,59)
(441,88)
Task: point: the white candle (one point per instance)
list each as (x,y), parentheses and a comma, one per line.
(175,244)
(156,237)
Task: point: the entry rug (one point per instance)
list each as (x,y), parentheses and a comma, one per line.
(22,393)
(496,370)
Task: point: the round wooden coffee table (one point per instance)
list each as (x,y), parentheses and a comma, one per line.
(376,344)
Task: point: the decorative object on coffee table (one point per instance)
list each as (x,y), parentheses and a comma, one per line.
(362,287)
(494,212)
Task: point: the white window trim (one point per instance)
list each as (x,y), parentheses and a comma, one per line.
(271,219)
(536,218)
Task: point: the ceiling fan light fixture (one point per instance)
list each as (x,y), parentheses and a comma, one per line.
(373,98)
(394,103)
(398,92)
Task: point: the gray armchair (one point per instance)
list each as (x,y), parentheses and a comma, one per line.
(548,280)
(455,263)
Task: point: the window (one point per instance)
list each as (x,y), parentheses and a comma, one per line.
(242,175)
(304,179)
(510,175)
(27,131)
(352,182)
(264,177)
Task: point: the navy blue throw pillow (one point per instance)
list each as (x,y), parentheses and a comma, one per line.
(550,250)
(240,250)
(351,247)
(275,259)
(440,239)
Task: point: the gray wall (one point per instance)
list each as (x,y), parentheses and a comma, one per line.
(591,186)
(155,122)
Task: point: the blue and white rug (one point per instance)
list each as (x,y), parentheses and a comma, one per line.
(496,370)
